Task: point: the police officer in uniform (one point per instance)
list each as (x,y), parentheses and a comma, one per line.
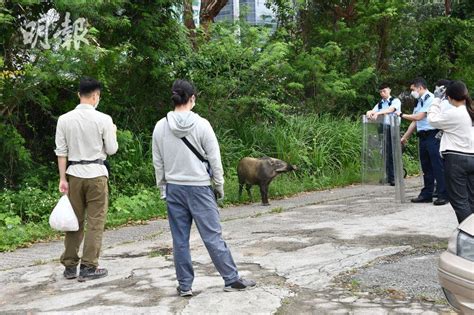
(388,105)
(429,141)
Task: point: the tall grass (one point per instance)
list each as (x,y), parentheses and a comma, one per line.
(318,145)
(326,150)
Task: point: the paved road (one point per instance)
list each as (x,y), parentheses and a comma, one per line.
(351,250)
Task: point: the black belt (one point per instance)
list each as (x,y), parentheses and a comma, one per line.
(446,152)
(427,133)
(84,162)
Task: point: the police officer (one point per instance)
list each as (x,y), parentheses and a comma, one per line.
(431,163)
(387,105)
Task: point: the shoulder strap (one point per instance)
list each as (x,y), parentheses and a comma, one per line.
(390,101)
(193,149)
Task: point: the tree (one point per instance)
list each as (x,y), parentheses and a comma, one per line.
(209,10)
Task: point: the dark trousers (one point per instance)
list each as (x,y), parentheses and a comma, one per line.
(389,155)
(459,171)
(432,167)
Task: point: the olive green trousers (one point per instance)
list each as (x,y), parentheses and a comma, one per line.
(89,198)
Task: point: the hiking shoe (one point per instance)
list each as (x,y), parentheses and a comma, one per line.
(420,199)
(70,272)
(440,202)
(184,293)
(240,285)
(91,273)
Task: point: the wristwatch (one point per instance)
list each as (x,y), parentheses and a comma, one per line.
(401,115)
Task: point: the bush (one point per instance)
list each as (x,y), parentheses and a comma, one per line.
(15,159)
(131,167)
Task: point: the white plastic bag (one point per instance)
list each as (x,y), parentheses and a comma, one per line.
(63,217)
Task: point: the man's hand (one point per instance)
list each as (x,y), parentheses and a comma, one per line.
(163,192)
(63,187)
(440,92)
(371,115)
(220,193)
(404,140)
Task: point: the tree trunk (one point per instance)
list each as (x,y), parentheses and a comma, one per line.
(447,7)
(209,10)
(383,32)
(188,15)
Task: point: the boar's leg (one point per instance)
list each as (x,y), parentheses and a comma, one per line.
(264,194)
(241,186)
(247,187)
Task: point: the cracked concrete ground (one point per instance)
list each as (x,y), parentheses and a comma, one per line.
(350,250)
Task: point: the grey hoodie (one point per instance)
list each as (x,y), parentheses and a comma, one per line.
(174,162)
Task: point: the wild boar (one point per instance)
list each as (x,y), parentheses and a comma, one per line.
(252,171)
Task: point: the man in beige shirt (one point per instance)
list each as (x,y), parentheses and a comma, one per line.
(84,139)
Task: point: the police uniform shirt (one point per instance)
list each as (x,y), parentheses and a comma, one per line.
(423,105)
(384,104)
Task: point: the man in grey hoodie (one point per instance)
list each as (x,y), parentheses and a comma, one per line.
(184,178)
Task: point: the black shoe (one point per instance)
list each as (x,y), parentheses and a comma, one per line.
(440,202)
(184,293)
(70,272)
(420,199)
(91,273)
(392,183)
(240,285)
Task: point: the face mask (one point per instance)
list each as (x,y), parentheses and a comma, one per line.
(415,94)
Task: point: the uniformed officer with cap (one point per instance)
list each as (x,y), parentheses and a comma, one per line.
(431,162)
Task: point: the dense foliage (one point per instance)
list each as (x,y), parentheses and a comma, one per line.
(295,91)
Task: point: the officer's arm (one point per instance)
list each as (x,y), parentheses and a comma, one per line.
(409,132)
(389,110)
(414,117)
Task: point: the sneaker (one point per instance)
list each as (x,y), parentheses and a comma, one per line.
(91,273)
(70,272)
(240,285)
(184,293)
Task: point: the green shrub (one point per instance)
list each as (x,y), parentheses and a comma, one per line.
(144,205)
(15,159)
(131,166)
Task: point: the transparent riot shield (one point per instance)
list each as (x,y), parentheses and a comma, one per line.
(397,158)
(380,142)
(373,159)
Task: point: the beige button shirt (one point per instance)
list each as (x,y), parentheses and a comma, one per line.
(85,134)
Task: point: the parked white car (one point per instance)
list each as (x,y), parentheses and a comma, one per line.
(456,268)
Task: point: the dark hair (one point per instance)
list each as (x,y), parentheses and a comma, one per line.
(419,82)
(383,86)
(89,85)
(443,82)
(182,91)
(457,90)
